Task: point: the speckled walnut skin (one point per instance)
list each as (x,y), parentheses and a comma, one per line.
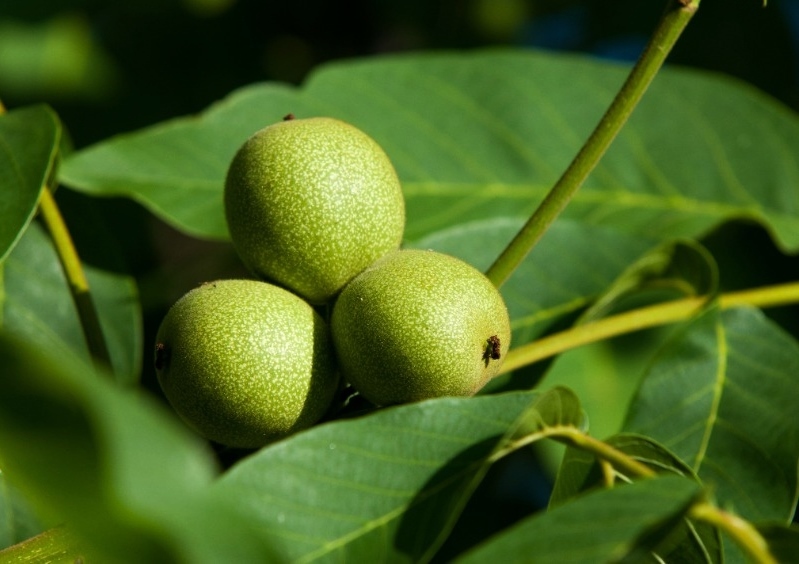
(244,362)
(417,325)
(312,202)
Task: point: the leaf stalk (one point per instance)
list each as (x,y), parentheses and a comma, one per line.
(644,318)
(604,452)
(76,278)
(676,17)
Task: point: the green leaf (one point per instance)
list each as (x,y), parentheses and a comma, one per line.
(389,484)
(581,472)
(604,526)
(126,477)
(38,306)
(722,396)
(29,139)
(783,541)
(484,135)
(605,374)
(672,270)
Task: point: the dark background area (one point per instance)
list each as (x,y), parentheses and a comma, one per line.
(110,66)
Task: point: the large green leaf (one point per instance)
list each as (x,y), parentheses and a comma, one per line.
(387,486)
(38,306)
(612,525)
(485,134)
(29,140)
(722,396)
(126,477)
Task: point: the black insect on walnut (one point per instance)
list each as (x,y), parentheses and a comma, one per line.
(161,356)
(288,117)
(492,350)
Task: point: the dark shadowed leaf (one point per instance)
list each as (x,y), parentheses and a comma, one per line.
(485,134)
(387,486)
(602,526)
(29,140)
(722,396)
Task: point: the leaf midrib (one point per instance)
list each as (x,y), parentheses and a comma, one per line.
(718,389)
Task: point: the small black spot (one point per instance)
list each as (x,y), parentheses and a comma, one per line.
(161,356)
(288,117)
(492,350)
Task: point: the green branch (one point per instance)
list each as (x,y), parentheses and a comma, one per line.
(678,14)
(643,318)
(73,270)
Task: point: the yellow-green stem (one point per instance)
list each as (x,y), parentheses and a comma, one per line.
(603,451)
(577,438)
(745,535)
(677,15)
(644,318)
(73,271)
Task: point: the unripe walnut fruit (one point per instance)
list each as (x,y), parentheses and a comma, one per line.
(312,202)
(244,362)
(417,325)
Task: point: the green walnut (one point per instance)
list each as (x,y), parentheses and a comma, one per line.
(417,325)
(312,202)
(244,362)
